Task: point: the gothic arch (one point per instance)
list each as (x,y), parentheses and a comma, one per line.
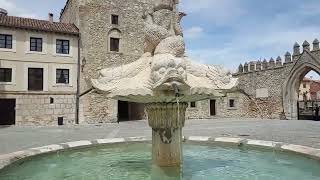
(303,65)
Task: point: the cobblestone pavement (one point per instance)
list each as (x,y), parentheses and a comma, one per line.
(296,132)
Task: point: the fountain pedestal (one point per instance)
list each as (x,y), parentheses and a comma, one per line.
(166,121)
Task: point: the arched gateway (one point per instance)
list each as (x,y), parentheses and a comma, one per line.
(306,63)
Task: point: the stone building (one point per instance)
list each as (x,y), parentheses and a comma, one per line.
(38,71)
(309,90)
(266,89)
(103,23)
(315,90)
(111,36)
(304,89)
(272,88)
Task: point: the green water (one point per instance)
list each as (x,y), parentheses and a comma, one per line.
(132,162)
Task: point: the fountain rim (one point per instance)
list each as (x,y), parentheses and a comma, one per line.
(8,159)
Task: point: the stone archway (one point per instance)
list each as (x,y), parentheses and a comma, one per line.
(302,66)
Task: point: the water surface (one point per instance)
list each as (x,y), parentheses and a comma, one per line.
(133,162)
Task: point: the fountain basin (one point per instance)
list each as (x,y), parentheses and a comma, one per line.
(204,158)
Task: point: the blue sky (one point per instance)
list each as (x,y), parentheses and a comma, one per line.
(224,32)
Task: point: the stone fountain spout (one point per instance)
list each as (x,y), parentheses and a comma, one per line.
(165,80)
(176,90)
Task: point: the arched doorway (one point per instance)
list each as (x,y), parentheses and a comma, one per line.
(302,66)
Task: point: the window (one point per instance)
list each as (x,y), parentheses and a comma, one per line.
(304,85)
(62,76)
(51,100)
(5,41)
(114,44)
(5,75)
(193,104)
(35,79)
(232,103)
(36,44)
(115,19)
(63,46)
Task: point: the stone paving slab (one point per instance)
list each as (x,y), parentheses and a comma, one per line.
(304,133)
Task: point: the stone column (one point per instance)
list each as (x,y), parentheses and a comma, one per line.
(166,121)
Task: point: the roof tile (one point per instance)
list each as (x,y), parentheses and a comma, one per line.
(39,25)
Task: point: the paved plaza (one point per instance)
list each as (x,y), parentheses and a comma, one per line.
(307,133)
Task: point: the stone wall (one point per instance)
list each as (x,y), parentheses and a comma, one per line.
(264,89)
(70,13)
(36,109)
(94,22)
(201,111)
(262,82)
(223,109)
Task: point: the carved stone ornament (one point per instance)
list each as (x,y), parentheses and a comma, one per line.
(163,71)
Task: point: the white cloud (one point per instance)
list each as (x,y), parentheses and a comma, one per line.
(228,57)
(242,48)
(193,32)
(15,10)
(252,39)
(216,11)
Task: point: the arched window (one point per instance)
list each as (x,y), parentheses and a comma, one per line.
(114,40)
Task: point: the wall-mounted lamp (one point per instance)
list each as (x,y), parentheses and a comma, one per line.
(84,62)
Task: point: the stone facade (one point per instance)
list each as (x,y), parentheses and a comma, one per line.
(93,18)
(35,109)
(272,87)
(35,106)
(222,107)
(260,92)
(266,89)
(270,80)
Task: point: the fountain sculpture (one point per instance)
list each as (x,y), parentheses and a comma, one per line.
(165,80)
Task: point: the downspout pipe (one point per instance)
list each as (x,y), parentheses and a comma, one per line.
(78,81)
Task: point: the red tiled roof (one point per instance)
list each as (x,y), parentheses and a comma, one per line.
(315,87)
(39,25)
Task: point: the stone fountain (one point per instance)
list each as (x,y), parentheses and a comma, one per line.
(165,80)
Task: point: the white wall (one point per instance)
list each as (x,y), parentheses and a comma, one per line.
(19,58)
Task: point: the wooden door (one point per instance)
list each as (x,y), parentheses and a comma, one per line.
(213,108)
(7,111)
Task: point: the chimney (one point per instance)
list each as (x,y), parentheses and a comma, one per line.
(51,17)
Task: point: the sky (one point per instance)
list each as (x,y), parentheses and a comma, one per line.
(223,32)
